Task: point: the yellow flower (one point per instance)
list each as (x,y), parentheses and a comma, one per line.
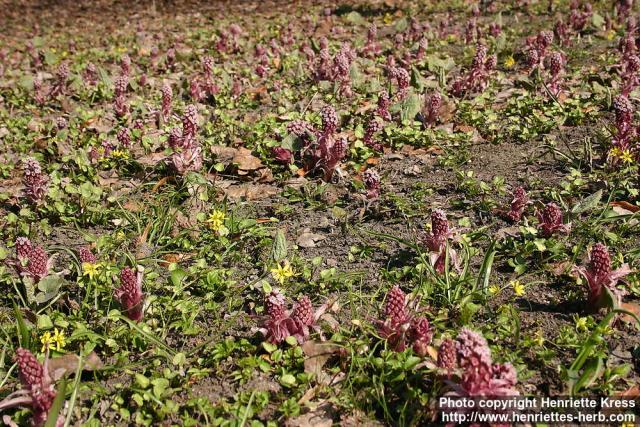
(216,220)
(90,269)
(56,340)
(282,272)
(119,154)
(509,62)
(494,289)
(581,324)
(539,339)
(626,156)
(518,288)
(615,152)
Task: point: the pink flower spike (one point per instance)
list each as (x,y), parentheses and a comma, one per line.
(35,181)
(279,324)
(371,180)
(447,355)
(551,220)
(601,279)
(481,377)
(39,388)
(518,205)
(129,294)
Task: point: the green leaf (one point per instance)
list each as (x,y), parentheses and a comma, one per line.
(288,380)
(44,322)
(23,330)
(355,18)
(592,371)
(587,203)
(401,25)
(416,79)
(49,287)
(179,359)
(410,107)
(57,405)
(279,248)
(160,385)
(142,380)
(597,20)
(177,276)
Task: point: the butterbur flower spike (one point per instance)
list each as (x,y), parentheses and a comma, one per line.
(35,181)
(279,324)
(187,154)
(436,241)
(383,106)
(371,180)
(518,205)
(31,261)
(400,328)
(433,108)
(38,390)
(551,220)
(167,95)
(373,126)
(129,294)
(86,256)
(601,279)
(480,376)
(447,355)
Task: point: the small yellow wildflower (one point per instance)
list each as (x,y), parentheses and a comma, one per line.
(494,289)
(518,288)
(581,324)
(119,154)
(539,339)
(615,152)
(216,220)
(282,272)
(57,340)
(626,156)
(509,62)
(90,269)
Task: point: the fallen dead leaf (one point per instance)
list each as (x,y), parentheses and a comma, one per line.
(223,153)
(632,308)
(151,159)
(250,191)
(68,363)
(308,239)
(626,206)
(245,161)
(317,354)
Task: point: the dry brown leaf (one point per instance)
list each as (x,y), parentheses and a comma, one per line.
(160,183)
(68,363)
(245,161)
(223,153)
(560,268)
(151,159)
(171,258)
(626,206)
(633,392)
(373,160)
(250,191)
(133,206)
(631,307)
(317,354)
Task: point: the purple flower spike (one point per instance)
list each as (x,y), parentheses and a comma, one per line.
(601,279)
(130,295)
(551,220)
